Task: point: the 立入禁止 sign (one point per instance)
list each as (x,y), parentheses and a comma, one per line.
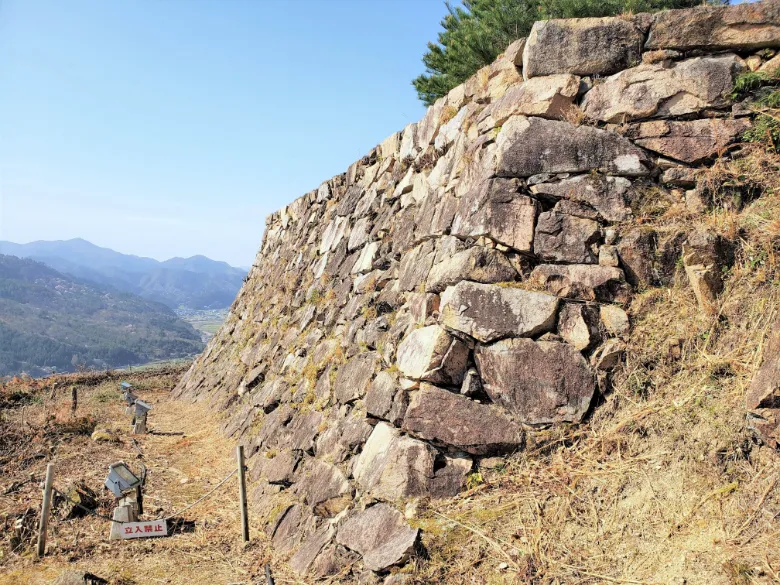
(146,529)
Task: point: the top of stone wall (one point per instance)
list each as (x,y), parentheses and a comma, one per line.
(580,47)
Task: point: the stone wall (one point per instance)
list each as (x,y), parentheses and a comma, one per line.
(465,282)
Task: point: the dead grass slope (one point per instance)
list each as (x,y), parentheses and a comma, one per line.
(185,456)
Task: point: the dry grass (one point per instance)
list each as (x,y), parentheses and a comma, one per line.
(182,466)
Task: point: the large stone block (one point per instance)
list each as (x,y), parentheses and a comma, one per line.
(488,312)
(353,377)
(380,534)
(582,281)
(740,27)
(477,264)
(607,196)
(392,466)
(690,142)
(583,46)
(320,484)
(764,390)
(649,91)
(637,251)
(541,382)
(496,210)
(548,97)
(561,237)
(385,398)
(532,146)
(432,354)
(578,324)
(449,419)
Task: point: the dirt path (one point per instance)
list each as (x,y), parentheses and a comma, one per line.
(185,455)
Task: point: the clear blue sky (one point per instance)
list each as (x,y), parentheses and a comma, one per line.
(173,127)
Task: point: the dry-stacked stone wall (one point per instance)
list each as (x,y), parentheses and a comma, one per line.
(465,282)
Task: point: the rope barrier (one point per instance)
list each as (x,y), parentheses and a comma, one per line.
(166,518)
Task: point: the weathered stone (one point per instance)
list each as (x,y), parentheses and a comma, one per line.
(582,46)
(608,256)
(488,312)
(704,256)
(607,196)
(560,237)
(637,250)
(353,377)
(514,52)
(408,148)
(343,437)
(276,468)
(502,75)
(615,320)
(415,266)
(689,142)
(764,390)
(679,176)
(660,56)
(496,210)
(333,234)
(771,66)
(422,305)
(365,261)
(765,423)
(333,559)
(654,91)
(542,382)
(741,27)
(582,281)
(531,146)
(288,529)
(320,482)
(303,427)
(359,234)
(310,548)
(472,385)
(380,534)
(450,130)
(379,399)
(578,324)
(608,355)
(450,475)
(477,264)
(392,466)
(390,145)
(452,420)
(432,354)
(548,97)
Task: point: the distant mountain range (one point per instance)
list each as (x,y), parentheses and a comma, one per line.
(50,320)
(190,283)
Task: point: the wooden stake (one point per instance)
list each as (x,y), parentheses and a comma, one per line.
(74,400)
(45,508)
(242,493)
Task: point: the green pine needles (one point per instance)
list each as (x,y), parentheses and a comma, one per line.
(478,31)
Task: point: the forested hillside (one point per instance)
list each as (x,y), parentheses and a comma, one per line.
(191,283)
(49,320)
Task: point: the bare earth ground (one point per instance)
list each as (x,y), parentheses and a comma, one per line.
(185,456)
